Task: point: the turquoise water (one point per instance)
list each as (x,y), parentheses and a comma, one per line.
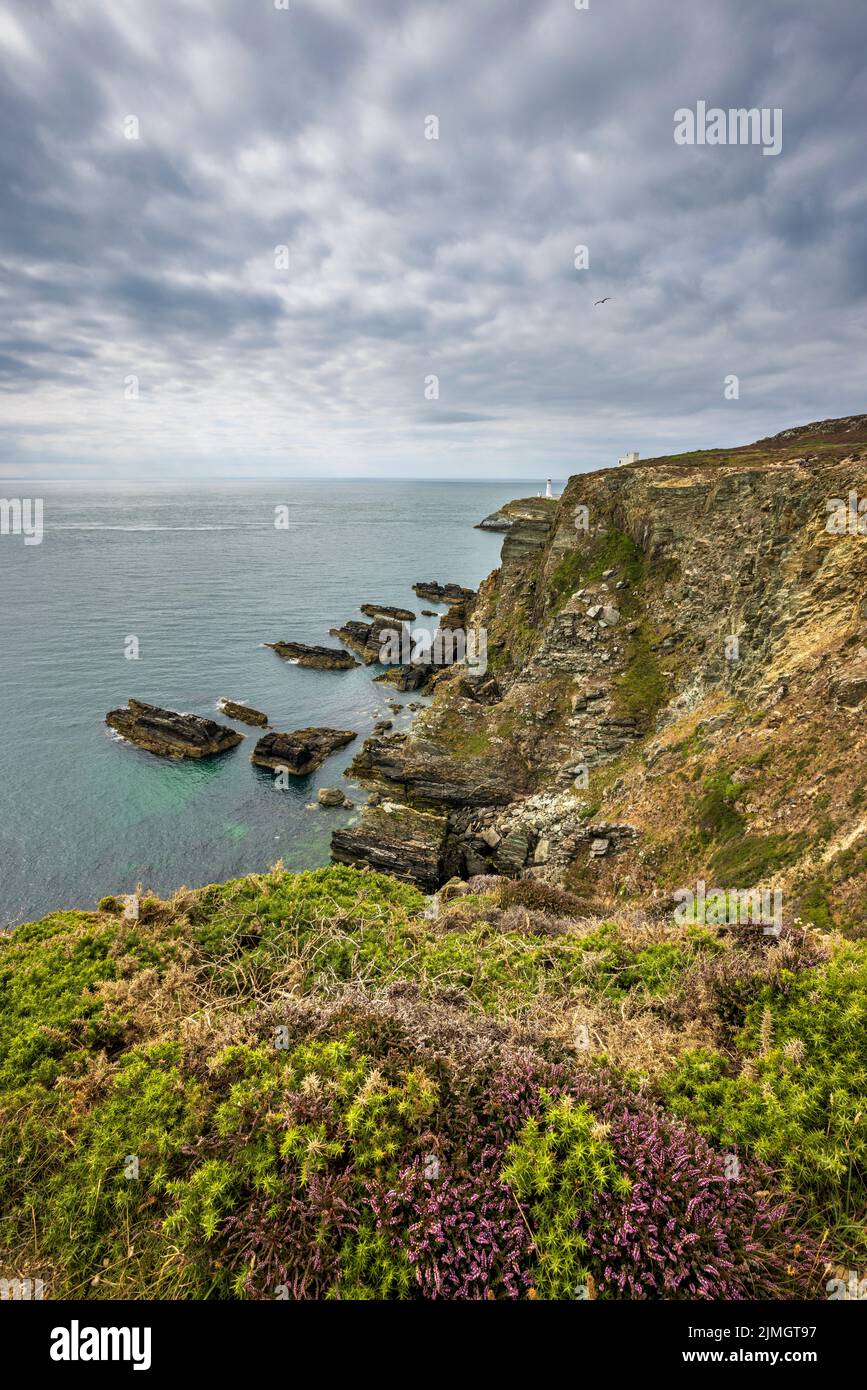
(202,577)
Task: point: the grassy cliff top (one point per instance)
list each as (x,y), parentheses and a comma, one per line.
(325,1085)
(821,441)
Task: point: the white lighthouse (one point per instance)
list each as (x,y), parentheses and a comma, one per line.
(548,492)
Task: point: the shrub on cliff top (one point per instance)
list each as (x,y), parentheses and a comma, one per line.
(560,1162)
(688,1223)
(796,1097)
(221,1142)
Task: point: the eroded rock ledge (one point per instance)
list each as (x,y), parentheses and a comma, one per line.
(397,839)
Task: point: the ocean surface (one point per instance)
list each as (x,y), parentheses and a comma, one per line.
(202,578)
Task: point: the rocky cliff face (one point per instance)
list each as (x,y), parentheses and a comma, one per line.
(677,675)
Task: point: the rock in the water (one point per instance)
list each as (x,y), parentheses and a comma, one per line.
(170,734)
(388,614)
(321,658)
(367,639)
(235,709)
(398,840)
(412,677)
(331,796)
(443,593)
(299,752)
(382,726)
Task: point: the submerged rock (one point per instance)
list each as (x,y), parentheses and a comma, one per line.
(321,658)
(170,734)
(299,752)
(236,709)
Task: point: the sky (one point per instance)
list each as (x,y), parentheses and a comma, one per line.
(231,247)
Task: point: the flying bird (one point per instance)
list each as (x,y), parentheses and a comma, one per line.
(602,301)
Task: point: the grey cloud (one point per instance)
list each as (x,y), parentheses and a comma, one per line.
(261,128)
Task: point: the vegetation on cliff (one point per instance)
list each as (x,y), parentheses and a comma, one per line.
(325,1085)
(538,1083)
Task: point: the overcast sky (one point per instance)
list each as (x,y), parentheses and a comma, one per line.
(408,257)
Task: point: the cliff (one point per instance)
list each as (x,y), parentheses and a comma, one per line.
(677,661)
(543,1080)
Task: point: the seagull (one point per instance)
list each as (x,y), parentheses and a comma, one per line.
(602,301)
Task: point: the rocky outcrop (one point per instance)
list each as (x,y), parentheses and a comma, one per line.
(849,685)
(300,752)
(532,509)
(399,840)
(320,658)
(415,676)
(443,593)
(236,709)
(415,769)
(170,734)
(653,636)
(366,639)
(386,614)
(332,796)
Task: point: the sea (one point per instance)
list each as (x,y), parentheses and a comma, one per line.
(168,593)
